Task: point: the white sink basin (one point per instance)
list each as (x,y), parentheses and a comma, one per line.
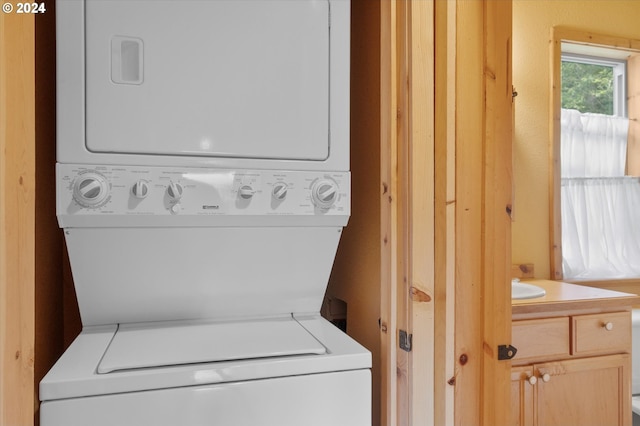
(525,291)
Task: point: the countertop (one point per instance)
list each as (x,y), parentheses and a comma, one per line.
(562,296)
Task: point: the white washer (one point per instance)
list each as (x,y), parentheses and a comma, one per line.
(326,382)
(203,184)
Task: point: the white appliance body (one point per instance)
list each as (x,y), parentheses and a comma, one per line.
(202,185)
(212,254)
(237,84)
(333,388)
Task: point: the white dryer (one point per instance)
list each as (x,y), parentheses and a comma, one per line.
(202,185)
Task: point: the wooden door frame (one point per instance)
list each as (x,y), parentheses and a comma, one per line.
(407,176)
(17,219)
(446,203)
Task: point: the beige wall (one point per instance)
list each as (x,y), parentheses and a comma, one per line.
(532,21)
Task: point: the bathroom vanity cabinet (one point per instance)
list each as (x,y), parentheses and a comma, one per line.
(573,360)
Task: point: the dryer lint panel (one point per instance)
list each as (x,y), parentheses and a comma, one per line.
(245,79)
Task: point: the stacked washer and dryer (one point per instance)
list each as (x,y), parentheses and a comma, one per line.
(202,185)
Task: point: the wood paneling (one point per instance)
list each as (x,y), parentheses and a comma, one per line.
(388,211)
(483,203)
(449,98)
(403,314)
(17,219)
(408,201)
(444,212)
(419,209)
(523,270)
(469,122)
(496,209)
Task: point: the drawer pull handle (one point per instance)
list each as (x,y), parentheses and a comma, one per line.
(546,377)
(608,326)
(532,380)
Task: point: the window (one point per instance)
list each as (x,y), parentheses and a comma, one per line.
(593,84)
(594,201)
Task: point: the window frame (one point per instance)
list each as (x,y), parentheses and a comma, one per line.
(630,48)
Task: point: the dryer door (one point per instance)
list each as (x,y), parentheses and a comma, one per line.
(221,78)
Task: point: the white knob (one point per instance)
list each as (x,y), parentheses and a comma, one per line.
(246,192)
(140,189)
(280,191)
(324,193)
(532,380)
(608,326)
(176,208)
(90,189)
(546,377)
(174,191)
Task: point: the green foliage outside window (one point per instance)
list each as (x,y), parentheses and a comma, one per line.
(587,87)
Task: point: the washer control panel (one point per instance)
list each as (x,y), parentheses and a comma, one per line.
(86,191)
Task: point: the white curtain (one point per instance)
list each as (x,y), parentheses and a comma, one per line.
(600,205)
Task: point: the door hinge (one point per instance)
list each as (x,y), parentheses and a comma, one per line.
(406,341)
(506,352)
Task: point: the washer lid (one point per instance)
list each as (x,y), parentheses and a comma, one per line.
(142,346)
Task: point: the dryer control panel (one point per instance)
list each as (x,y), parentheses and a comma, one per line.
(96,196)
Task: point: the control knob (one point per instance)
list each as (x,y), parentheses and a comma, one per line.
(140,189)
(324,193)
(174,191)
(246,192)
(91,189)
(280,191)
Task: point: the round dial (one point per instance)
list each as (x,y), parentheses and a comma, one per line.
(279,191)
(91,189)
(324,193)
(246,192)
(140,189)
(174,191)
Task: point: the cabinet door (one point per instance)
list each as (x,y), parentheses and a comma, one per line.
(584,392)
(522,396)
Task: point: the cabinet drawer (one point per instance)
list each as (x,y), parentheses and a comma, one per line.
(541,338)
(601,333)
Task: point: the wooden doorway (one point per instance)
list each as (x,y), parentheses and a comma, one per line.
(446,173)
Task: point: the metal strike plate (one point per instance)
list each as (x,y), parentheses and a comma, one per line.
(506,352)
(406,341)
